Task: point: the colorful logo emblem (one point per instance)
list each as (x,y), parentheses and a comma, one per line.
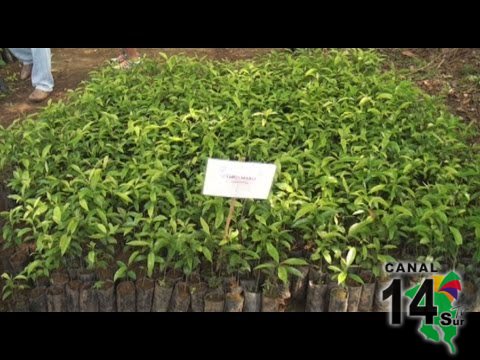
(434,301)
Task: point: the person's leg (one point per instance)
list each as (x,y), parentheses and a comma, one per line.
(25,57)
(42,78)
(23,54)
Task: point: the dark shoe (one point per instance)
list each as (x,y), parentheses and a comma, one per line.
(26,71)
(38,95)
(3,87)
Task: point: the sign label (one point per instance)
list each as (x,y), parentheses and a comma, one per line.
(237,179)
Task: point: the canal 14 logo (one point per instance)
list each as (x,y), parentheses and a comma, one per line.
(433,300)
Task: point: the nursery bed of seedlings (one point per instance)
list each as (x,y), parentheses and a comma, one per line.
(102,193)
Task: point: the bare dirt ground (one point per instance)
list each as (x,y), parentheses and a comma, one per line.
(452,73)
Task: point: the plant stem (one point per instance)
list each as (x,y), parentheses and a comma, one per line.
(257,282)
(229,217)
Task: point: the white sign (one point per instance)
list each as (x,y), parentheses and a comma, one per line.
(236,179)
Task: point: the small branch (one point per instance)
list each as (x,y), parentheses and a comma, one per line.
(443,58)
(229,217)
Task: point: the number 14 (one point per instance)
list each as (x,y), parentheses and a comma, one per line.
(417,306)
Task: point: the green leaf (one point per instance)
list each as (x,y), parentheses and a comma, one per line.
(150,263)
(102,228)
(294,271)
(105,162)
(383,258)
(265,266)
(46,150)
(377,188)
(300,223)
(133,257)
(95,177)
(119,274)
(364,100)
(138,243)
(424,241)
(124,197)
(102,215)
(403,210)
(327,257)
(153,197)
(237,101)
(150,210)
(442,216)
(285,187)
(173,224)
(456,235)
(22,232)
(84,204)
(32,266)
(385,96)
(335,268)
(364,252)
(163,55)
(273,252)
(64,243)
(283,274)
(171,198)
(6,294)
(91,257)
(72,225)
(205,226)
(57,215)
(132,275)
(357,227)
(305,209)
(295,262)
(207,254)
(375,200)
(342,277)
(351,256)
(76,168)
(41,209)
(219,217)
(407,168)
(261,220)
(356,278)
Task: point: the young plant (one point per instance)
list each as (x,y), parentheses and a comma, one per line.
(124,271)
(344,272)
(278,271)
(13,284)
